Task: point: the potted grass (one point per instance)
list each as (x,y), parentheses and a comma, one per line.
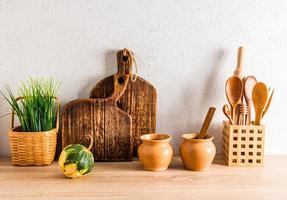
(37,108)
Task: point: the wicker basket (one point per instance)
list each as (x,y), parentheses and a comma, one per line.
(243,145)
(33,148)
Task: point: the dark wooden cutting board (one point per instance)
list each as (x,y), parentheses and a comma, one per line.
(110,126)
(139,98)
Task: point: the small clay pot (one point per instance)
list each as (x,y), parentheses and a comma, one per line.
(197,154)
(155,152)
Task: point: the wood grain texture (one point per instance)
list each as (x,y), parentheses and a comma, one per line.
(206,123)
(127,180)
(110,126)
(139,99)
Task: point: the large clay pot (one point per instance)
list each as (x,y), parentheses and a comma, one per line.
(155,152)
(197,154)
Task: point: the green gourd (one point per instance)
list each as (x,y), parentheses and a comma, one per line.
(76,160)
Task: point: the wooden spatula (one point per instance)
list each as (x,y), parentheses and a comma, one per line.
(259,98)
(249,84)
(234,91)
(268,104)
(206,123)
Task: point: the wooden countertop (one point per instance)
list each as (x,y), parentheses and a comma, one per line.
(127,180)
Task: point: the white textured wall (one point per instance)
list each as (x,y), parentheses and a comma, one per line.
(186,49)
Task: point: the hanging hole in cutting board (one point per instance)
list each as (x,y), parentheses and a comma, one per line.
(125,58)
(120,105)
(121,80)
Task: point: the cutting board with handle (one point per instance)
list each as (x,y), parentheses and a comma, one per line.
(139,99)
(110,127)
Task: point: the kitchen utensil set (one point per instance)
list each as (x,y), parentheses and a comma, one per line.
(254,93)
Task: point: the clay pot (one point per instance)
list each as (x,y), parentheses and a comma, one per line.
(197,154)
(155,152)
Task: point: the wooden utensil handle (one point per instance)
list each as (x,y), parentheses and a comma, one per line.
(258,115)
(206,123)
(125,61)
(249,104)
(229,118)
(240,57)
(120,85)
(233,114)
(238,71)
(227,113)
(268,104)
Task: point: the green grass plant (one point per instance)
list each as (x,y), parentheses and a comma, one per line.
(36,111)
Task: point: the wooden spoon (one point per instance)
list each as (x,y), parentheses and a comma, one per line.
(227,113)
(234,91)
(206,123)
(259,98)
(249,84)
(268,104)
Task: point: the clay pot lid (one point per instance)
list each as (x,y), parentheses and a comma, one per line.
(191,137)
(158,137)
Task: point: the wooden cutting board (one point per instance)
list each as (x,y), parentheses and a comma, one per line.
(139,98)
(110,126)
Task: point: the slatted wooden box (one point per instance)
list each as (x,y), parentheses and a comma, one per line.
(243,145)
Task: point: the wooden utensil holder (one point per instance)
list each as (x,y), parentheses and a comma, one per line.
(243,145)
